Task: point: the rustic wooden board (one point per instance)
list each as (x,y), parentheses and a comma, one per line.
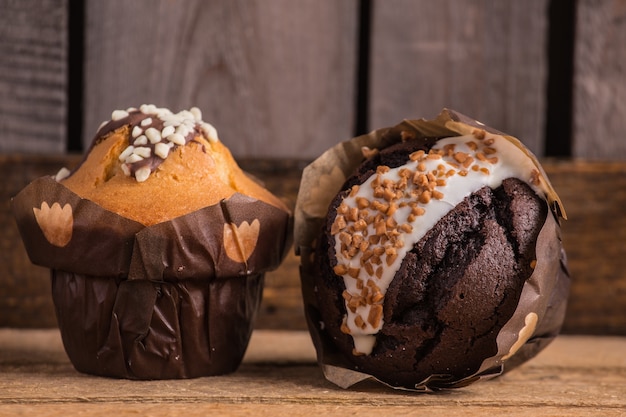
(33,75)
(275,78)
(599,87)
(484,59)
(574,376)
(594,194)
(593,237)
(278,86)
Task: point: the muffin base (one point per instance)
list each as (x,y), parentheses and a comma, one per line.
(144,329)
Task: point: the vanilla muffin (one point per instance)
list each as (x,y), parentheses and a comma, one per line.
(151,165)
(157,244)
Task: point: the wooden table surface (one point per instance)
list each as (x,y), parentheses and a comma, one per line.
(574,376)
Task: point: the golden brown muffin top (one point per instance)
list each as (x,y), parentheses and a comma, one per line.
(151,165)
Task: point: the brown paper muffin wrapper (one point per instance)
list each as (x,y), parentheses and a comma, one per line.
(541,308)
(173,300)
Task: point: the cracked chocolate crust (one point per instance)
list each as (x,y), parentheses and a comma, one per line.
(455,289)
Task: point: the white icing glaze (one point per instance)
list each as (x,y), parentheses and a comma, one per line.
(511,162)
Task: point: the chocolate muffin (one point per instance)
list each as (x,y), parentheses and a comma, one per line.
(157,244)
(424,254)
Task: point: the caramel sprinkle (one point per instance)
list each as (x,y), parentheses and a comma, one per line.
(344,328)
(340,269)
(354,272)
(424,197)
(375,315)
(338,225)
(460,157)
(479,134)
(416,156)
(438,195)
(362,202)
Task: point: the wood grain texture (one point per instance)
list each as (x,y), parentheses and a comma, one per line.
(484,59)
(599,80)
(594,194)
(33,75)
(275,78)
(574,376)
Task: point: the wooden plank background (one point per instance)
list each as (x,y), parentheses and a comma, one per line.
(282,80)
(600,80)
(486,59)
(278,78)
(33,75)
(274,77)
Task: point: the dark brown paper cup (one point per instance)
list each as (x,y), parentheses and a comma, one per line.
(541,307)
(174,300)
(144,329)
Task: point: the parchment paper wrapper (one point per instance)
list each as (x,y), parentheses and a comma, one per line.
(541,308)
(173,300)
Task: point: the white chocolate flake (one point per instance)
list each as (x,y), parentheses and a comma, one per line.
(137,131)
(62,174)
(147,108)
(161,150)
(153,135)
(132,158)
(126,153)
(118,114)
(167,130)
(197,114)
(209,131)
(125,169)
(182,130)
(143,151)
(142,174)
(176,139)
(187,115)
